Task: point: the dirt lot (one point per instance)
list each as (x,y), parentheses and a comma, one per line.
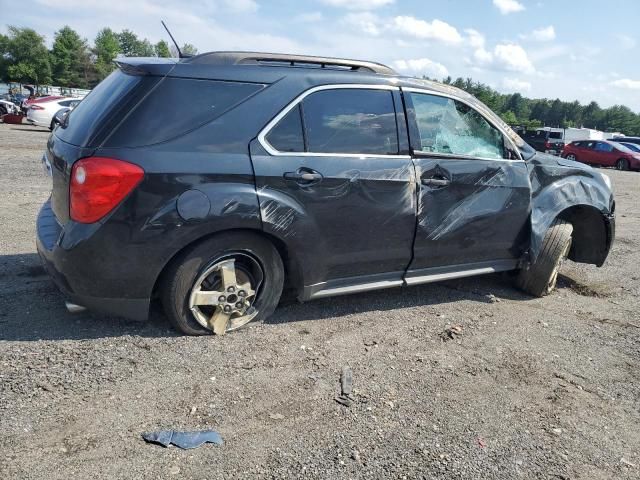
(526,388)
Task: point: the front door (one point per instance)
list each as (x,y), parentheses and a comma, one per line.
(336,184)
(474,197)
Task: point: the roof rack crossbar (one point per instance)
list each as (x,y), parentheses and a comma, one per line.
(255,58)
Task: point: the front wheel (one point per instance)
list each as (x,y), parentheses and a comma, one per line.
(222,284)
(540,277)
(572,157)
(622,164)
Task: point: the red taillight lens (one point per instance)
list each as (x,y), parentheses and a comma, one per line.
(36,107)
(547,144)
(98,184)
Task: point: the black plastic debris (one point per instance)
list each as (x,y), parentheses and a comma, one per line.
(184,440)
(346,386)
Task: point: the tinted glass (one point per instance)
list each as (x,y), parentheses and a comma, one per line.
(451,127)
(603,147)
(632,146)
(89,116)
(351,121)
(287,135)
(555,135)
(176,106)
(577,144)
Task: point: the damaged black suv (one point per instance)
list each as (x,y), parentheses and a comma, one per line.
(214,183)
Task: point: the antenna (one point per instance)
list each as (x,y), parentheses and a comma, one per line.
(180,55)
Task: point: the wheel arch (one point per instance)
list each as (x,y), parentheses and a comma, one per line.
(590,242)
(292,270)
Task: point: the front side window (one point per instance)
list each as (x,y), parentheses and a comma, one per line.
(351,121)
(447,126)
(603,147)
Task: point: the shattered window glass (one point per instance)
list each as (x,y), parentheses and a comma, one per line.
(451,127)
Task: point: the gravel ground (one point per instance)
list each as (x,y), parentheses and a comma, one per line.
(519,388)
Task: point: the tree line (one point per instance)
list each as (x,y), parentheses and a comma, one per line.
(534,113)
(72,62)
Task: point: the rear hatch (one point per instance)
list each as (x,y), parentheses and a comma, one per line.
(93,120)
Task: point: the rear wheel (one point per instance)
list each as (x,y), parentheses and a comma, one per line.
(222,284)
(622,164)
(539,278)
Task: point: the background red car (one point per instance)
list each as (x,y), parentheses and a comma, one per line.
(602,153)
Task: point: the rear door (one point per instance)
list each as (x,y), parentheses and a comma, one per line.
(474,189)
(337,185)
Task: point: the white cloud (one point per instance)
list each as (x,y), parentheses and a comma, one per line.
(545,34)
(422,66)
(475,38)
(627,83)
(241,5)
(435,30)
(516,85)
(508,6)
(311,17)
(625,41)
(358,4)
(508,56)
(366,22)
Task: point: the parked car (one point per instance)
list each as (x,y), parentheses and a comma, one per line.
(631,146)
(7,106)
(234,176)
(603,153)
(547,141)
(635,140)
(41,113)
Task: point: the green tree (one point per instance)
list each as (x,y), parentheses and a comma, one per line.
(188,49)
(162,49)
(26,56)
(70,59)
(132,46)
(509,117)
(106,49)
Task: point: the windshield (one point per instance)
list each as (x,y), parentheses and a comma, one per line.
(622,147)
(632,146)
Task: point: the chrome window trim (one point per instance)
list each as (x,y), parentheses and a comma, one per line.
(296,101)
(499,128)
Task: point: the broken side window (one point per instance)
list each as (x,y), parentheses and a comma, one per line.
(447,126)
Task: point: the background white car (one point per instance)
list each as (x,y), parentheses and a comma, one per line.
(41,113)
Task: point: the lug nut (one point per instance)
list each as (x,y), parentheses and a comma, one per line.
(239,305)
(227,308)
(222,298)
(242,293)
(231,289)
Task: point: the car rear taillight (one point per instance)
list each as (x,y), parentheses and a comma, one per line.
(36,107)
(547,145)
(98,184)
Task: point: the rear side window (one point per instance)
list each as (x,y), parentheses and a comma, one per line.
(177,106)
(555,135)
(287,135)
(91,116)
(351,121)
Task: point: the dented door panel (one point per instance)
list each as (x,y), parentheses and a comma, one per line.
(357,220)
(480,214)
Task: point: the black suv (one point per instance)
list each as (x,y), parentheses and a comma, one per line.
(214,183)
(546,141)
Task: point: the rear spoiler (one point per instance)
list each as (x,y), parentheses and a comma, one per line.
(146,65)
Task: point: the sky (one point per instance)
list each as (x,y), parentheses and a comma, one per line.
(569,49)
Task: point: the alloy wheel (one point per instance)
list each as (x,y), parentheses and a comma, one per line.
(222,298)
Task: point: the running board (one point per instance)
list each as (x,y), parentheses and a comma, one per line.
(412,277)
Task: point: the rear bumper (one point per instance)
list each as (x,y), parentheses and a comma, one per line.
(60,264)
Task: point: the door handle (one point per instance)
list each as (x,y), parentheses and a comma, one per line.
(436,182)
(303,177)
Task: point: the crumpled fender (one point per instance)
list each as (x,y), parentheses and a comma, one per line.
(558,184)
